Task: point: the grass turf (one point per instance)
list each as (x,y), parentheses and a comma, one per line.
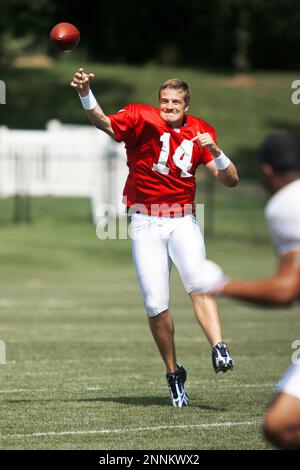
(82,368)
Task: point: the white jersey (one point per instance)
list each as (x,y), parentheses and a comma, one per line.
(283,217)
(290,382)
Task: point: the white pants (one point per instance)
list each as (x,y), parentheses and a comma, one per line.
(156,241)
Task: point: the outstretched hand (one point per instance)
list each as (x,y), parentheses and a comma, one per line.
(81,81)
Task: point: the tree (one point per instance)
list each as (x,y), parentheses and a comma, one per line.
(23,25)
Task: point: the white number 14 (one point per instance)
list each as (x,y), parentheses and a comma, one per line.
(182,156)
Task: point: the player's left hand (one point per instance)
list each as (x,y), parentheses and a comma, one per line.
(206,140)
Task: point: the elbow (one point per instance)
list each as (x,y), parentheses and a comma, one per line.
(286,302)
(233,182)
(285,299)
(287,291)
(228,180)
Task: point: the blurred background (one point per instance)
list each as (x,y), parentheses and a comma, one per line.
(65,294)
(240,58)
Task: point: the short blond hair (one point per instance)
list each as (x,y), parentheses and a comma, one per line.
(176,84)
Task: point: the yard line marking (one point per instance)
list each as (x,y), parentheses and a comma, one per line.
(227,424)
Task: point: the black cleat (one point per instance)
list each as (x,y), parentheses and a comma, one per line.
(222,362)
(175,381)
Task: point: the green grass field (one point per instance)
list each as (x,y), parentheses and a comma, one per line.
(82,370)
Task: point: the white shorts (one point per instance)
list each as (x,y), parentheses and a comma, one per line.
(156,242)
(290,382)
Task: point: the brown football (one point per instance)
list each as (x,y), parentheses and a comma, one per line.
(65,36)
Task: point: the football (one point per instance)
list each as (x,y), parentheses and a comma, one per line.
(65,36)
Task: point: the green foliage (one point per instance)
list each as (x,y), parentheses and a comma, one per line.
(24,27)
(234,34)
(13,46)
(243,109)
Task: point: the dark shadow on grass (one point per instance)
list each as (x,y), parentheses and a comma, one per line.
(147,401)
(201,406)
(130,401)
(135,401)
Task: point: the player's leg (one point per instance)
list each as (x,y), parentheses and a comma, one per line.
(207,315)
(187,250)
(162,329)
(152,265)
(206,312)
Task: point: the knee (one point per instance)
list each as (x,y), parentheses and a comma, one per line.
(207,279)
(154,307)
(198,297)
(197,285)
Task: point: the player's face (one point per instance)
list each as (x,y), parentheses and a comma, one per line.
(172,106)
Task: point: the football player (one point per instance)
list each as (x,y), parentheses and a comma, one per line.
(280,170)
(164,147)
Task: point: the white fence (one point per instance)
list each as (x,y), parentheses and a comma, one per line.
(63,160)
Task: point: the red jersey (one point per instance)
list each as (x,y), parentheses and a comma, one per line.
(162,160)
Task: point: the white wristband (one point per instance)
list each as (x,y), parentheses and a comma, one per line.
(88,102)
(222,162)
